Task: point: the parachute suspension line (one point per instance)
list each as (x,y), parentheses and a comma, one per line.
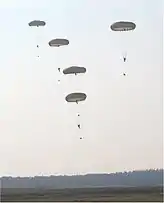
(39,39)
(124,40)
(37,45)
(36,38)
(123,46)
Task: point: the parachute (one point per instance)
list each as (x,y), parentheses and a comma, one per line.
(123,26)
(37,23)
(76,97)
(74,70)
(58,42)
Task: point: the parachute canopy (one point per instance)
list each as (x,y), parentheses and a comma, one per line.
(37,23)
(58,42)
(123,26)
(76,97)
(74,70)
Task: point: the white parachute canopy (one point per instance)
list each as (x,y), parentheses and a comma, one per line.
(76,97)
(58,42)
(37,23)
(74,70)
(123,26)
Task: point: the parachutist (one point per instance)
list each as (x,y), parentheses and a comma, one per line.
(124,59)
(78,114)
(37,46)
(59,69)
(79,126)
(81,138)
(124,74)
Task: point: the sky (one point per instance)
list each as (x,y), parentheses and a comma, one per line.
(121,119)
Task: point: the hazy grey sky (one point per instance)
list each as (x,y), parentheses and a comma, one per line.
(122,116)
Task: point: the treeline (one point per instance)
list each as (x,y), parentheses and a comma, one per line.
(125,179)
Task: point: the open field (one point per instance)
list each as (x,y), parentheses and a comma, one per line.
(130,194)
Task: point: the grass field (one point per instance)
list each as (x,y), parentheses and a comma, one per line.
(131,194)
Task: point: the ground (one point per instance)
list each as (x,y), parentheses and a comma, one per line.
(119,194)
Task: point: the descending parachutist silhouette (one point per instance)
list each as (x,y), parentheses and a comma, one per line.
(81,138)
(124,26)
(76,97)
(37,23)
